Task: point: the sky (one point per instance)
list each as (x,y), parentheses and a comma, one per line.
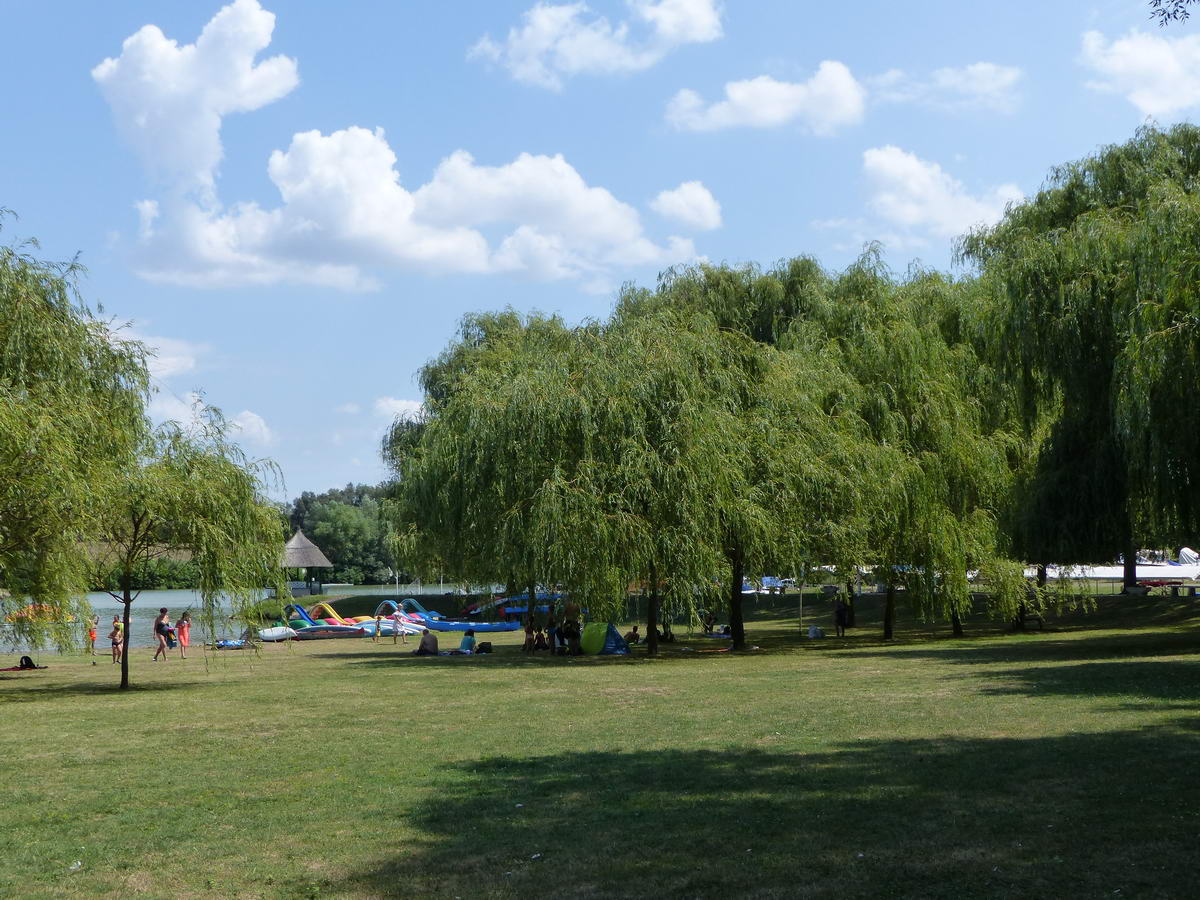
(295,203)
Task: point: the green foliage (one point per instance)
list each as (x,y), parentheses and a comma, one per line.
(72,393)
(194,492)
(1097,328)
(346,524)
(154,574)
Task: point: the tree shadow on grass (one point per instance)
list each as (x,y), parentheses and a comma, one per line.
(1036,648)
(11,692)
(1144,684)
(1077,815)
(502,658)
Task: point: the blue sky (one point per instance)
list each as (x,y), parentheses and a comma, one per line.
(296,202)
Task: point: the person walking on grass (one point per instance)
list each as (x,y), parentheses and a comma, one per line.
(161,626)
(183,631)
(93,624)
(398,629)
(840,614)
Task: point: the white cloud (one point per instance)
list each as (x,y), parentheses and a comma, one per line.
(168,100)
(394,408)
(981,85)
(253,427)
(917,194)
(165,406)
(171,356)
(691,204)
(343,209)
(1159,74)
(186,410)
(832,99)
(557,41)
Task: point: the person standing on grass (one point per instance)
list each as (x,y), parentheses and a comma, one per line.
(161,626)
(378,628)
(552,633)
(117,638)
(529,639)
(840,614)
(183,630)
(93,624)
(398,628)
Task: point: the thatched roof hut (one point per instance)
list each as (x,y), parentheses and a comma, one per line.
(301,553)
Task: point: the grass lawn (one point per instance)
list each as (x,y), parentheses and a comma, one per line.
(1060,763)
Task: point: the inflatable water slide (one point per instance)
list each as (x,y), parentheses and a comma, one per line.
(416,613)
(305,628)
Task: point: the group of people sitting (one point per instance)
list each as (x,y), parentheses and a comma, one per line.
(466,647)
(665,635)
(560,639)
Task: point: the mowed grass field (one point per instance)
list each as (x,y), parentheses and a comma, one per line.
(1060,763)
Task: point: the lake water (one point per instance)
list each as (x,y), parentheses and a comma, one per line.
(144,610)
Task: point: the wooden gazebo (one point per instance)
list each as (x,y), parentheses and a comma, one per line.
(301,553)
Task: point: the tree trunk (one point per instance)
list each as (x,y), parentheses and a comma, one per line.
(126,580)
(737,628)
(1041,575)
(1130,566)
(652,606)
(803,585)
(956,623)
(889,612)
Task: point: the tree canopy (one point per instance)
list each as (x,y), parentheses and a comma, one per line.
(1096,328)
(193,491)
(72,393)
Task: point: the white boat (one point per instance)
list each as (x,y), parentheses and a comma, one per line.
(279,633)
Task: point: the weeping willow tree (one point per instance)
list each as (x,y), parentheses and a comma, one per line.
(798,466)
(1096,326)
(584,457)
(913,347)
(191,491)
(72,394)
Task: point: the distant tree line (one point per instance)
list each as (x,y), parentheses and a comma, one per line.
(346,524)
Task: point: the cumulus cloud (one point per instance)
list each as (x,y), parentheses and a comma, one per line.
(981,85)
(395,408)
(168,100)
(166,406)
(559,40)
(187,411)
(253,427)
(343,209)
(171,356)
(1158,74)
(918,194)
(832,99)
(691,204)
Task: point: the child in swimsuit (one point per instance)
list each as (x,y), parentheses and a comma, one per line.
(183,628)
(92,623)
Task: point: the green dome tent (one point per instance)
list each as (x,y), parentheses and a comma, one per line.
(602,638)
